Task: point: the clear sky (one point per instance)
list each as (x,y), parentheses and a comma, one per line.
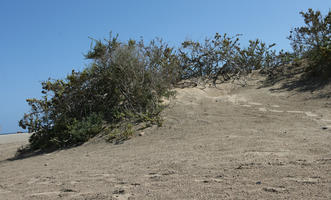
(43,38)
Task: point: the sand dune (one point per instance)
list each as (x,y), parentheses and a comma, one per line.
(225,143)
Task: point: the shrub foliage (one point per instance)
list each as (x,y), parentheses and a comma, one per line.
(313,41)
(124,82)
(223,56)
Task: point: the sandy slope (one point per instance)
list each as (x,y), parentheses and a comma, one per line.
(215,144)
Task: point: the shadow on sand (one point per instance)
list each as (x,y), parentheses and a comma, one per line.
(297,80)
(26,154)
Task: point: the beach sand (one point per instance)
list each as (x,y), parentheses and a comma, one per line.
(248,143)
(14,138)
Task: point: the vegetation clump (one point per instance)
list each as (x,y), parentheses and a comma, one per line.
(223,57)
(313,42)
(125,82)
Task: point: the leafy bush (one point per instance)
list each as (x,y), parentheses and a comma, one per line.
(209,58)
(124,82)
(81,131)
(75,133)
(260,56)
(313,42)
(223,56)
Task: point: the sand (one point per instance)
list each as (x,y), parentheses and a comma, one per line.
(244,143)
(14,138)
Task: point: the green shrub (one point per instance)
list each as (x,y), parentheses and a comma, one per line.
(76,133)
(313,42)
(207,59)
(223,56)
(124,82)
(81,131)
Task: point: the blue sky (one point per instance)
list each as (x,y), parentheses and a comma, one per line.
(43,38)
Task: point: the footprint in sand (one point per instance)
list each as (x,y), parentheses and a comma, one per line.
(310,114)
(263,109)
(279,189)
(41,180)
(255,103)
(121,194)
(33,180)
(45,194)
(276,111)
(305,180)
(246,105)
(295,111)
(154,176)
